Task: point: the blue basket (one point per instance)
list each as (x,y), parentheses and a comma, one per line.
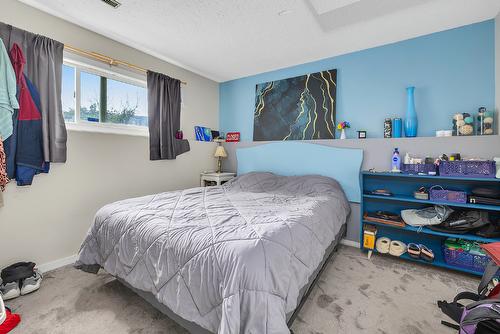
(414,169)
(443,195)
(465,260)
(468,168)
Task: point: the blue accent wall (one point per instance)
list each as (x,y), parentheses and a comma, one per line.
(453,71)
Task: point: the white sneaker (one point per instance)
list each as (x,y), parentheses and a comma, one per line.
(10,290)
(32,283)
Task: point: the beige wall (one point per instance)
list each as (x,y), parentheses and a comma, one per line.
(47,221)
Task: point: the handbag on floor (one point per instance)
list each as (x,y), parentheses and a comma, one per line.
(18,271)
(482,316)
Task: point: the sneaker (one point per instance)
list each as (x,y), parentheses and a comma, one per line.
(32,283)
(10,290)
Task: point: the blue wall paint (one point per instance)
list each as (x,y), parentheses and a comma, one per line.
(453,71)
(300,158)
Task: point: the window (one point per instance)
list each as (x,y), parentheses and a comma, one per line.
(68,93)
(97,99)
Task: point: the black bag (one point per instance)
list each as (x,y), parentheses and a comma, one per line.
(461,222)
(18,271)
(482,316)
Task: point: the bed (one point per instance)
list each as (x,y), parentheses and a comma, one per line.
(236,258)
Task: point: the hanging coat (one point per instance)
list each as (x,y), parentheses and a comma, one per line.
(10,146)
(29,150)
(4,179)
(8,100)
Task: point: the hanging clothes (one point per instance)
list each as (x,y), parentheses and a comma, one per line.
(9,146)
(3,172)
(44,60)
(8,100)
(3,168)
(29,149)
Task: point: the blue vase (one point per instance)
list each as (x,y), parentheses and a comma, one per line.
(411,121)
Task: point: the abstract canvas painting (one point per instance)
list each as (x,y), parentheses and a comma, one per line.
(298,108)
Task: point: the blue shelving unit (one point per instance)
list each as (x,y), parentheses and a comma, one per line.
(402,187)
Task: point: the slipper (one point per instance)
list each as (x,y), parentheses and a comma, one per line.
(383,245)
(426,253)
(414,250)
(398,248)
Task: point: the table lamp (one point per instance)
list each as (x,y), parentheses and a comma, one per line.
(220,153)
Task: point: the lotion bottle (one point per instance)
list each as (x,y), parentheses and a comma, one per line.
(396,161)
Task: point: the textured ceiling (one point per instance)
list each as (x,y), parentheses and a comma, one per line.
(228,39)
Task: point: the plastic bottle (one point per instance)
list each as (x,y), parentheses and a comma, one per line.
(407,158)
(396,161)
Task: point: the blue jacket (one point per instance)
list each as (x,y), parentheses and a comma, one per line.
(28,144)
(29,150)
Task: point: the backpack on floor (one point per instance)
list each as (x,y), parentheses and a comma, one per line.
(482,316)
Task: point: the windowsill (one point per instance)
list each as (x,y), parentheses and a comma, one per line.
(129,130)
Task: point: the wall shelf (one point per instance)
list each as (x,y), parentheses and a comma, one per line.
(411,199)
(435,177)
(426,230)
(402,187)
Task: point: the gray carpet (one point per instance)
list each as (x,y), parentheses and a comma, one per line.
(354,295)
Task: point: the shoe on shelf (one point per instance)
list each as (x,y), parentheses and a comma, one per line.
(32,283)
(10,290)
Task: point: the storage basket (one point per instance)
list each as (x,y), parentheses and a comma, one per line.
(465,260)
(439,194)
(414,169)
(468,168)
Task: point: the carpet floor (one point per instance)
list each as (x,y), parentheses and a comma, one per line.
(354,295)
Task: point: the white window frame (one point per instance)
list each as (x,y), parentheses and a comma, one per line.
(83,64)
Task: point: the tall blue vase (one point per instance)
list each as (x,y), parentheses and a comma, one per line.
(411,121)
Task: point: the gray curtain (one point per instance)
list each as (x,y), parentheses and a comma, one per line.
(44,57)
(164,117)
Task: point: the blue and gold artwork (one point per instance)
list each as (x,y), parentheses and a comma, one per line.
(298,108)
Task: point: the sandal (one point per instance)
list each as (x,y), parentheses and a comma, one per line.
(426,253)
(414,250)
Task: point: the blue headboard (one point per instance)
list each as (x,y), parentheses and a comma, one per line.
(297,158)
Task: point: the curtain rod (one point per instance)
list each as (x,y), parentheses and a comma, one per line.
(107,60)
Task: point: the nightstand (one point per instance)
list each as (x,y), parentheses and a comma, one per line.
(215,179)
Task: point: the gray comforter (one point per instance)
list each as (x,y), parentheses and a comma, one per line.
(231,258)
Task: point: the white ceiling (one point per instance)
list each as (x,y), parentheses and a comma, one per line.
(229,39)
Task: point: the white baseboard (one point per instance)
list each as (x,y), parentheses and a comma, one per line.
(349,243)
(45,267)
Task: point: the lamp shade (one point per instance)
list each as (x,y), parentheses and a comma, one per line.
(220,152)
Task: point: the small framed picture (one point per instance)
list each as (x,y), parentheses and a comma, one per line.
(362,134)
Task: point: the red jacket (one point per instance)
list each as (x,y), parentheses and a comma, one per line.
(27,107)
